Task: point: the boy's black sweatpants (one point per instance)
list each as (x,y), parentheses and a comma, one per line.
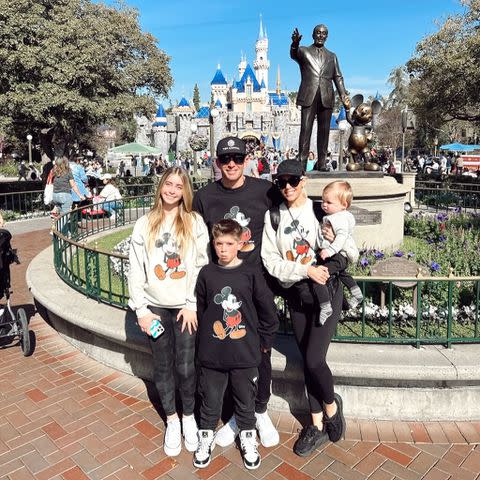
(211,388)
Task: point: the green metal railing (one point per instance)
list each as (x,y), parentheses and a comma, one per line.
(432,310)
(27,204)
(447,199)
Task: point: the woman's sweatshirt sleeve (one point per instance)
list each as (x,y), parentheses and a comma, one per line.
(137,276)
(199,259)
(284,270)
(266,310)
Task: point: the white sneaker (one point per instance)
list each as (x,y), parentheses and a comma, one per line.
(190,432)
(268,434)
(226,435)
(172,443)
(248,446)
(203,454)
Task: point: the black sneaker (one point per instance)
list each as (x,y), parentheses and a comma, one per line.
(310,438)
(335,425)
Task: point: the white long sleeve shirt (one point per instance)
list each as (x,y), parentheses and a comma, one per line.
(159,276)
(288,252)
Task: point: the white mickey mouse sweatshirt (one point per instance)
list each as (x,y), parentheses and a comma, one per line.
(288,252)
(160,276)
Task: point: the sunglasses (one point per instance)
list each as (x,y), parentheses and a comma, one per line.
(292,181)
(226,159)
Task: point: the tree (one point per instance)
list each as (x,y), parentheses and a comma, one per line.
(399,80)
(445,70)
(196,97)
(69,66)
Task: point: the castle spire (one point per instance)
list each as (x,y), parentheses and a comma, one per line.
(261,33)
(279,90)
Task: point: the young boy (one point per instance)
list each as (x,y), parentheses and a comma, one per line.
(336,199)
(237,320)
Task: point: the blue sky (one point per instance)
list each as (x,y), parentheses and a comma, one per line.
(369,37)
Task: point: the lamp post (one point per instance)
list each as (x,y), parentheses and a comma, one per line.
(29,139)
(213,115)
(435,144)
(193,129)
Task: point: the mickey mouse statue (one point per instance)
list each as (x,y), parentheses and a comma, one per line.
(362,133)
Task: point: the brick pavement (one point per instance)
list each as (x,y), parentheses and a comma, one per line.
(65,416)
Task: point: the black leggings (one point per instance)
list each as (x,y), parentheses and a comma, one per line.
(313,341)
(173,355)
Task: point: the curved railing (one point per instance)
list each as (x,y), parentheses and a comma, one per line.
(430,310)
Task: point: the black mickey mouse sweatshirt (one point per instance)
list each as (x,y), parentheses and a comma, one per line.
(236,316)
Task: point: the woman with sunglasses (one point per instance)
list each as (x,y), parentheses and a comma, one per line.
(288,253)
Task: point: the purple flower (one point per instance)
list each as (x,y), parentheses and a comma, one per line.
(441,217)
(364,262)
(442,238)
(430,241)
(378,254)
(410,254)
(457,209)
(435,267)
(398,253)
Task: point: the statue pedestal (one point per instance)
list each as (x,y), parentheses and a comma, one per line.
(378,205)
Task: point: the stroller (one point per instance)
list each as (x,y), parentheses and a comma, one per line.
(11,326)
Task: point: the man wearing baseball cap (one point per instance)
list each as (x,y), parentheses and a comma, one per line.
(246,200)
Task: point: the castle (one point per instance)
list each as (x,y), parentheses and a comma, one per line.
(244,107)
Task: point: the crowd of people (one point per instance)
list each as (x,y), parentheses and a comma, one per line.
(77,183)
(203,273)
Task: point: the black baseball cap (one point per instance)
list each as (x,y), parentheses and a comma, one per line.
(290,167)
(231,146)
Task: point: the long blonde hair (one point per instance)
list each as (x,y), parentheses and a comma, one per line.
(183,222)
(62,167)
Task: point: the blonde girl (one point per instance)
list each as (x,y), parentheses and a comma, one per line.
(168,248)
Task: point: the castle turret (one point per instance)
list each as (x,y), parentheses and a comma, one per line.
(261,63)
(184,112)
(219,86)
(159,127)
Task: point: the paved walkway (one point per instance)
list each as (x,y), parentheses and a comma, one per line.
(65,416)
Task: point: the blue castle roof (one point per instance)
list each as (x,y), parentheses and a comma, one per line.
(333,123)
(341,115)
(218,103)
(218,78)
(276,99)
(204,112)
(240,85)
(160,117)
(183,103)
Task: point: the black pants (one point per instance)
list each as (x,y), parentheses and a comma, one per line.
(308,115)
(174,362)
(313,341)
(243,387)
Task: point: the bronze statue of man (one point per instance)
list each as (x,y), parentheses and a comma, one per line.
(318,68)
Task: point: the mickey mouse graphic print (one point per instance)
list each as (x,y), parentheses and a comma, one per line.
(236,316)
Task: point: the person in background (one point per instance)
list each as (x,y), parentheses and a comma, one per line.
(22,171)
(45,171)
(110,194)
(251,168)
(311,161)
(63,183)
(168,249)
(81,181)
